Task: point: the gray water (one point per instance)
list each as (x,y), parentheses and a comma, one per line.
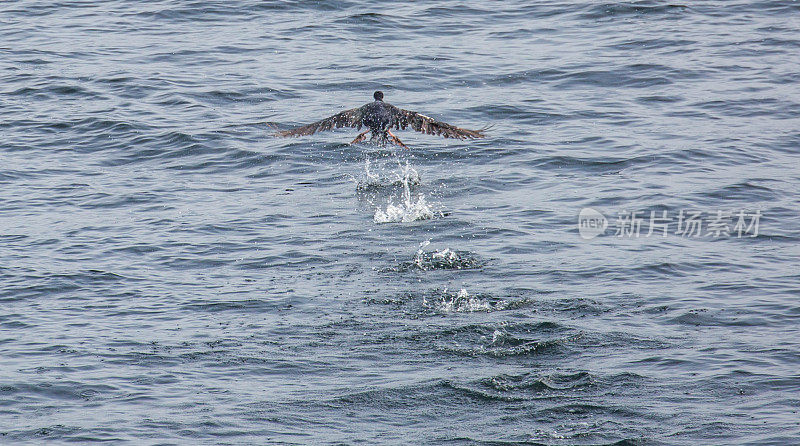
(170,273)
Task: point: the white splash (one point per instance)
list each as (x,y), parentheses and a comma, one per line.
(371,178)
(496,336)
(462,302)
(445,255)
(419,257)
(374,178)
(410,209)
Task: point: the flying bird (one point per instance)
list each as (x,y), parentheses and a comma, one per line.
(380,118)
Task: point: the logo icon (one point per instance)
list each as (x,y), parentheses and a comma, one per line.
(591,223)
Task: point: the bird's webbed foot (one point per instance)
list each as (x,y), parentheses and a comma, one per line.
(361,136)
(396,140)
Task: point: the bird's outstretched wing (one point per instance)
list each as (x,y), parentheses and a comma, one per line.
(347,118)
(430,126)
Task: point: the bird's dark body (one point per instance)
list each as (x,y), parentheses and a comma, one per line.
(377,116)
(380,118)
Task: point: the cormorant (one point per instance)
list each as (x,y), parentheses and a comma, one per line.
(380,117)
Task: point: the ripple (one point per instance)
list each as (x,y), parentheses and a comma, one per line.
(645,9)
(510,340)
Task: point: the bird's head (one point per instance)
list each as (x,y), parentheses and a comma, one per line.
(378,95)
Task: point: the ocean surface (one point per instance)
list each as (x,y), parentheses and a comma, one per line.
(171,273)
